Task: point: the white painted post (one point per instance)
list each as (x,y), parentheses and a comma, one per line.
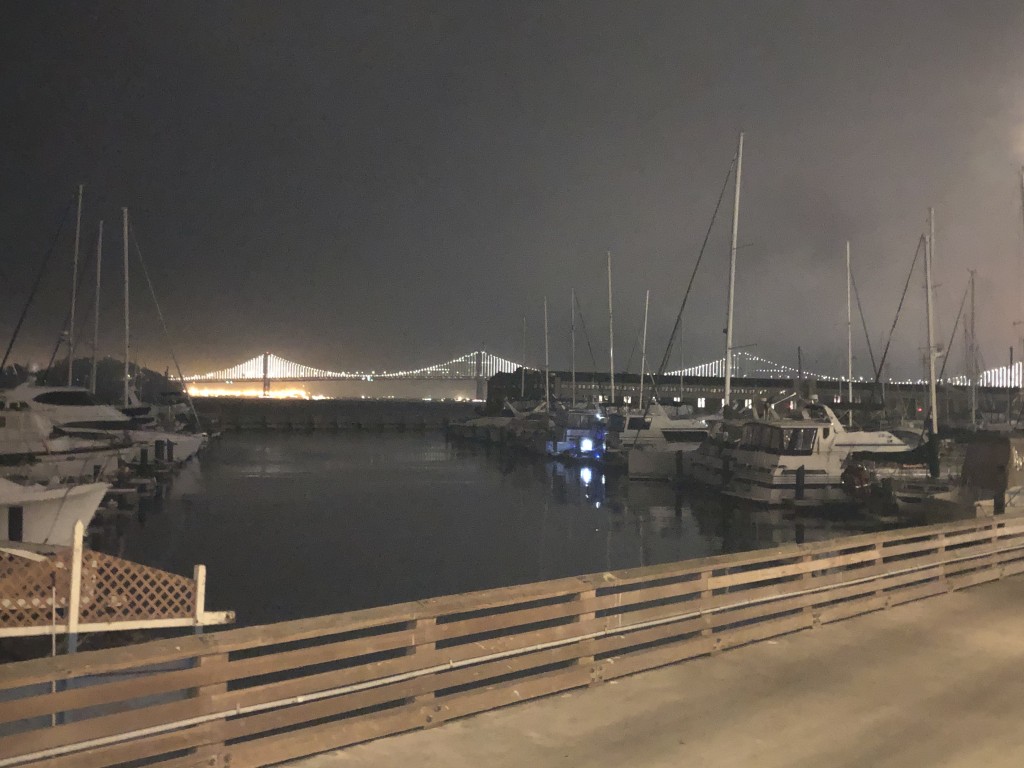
(75,596)
(199,574)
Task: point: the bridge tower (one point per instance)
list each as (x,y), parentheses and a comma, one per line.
(481,380)
(266,374)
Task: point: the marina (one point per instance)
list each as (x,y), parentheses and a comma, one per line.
(618,385)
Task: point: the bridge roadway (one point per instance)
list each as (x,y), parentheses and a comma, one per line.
(937,682)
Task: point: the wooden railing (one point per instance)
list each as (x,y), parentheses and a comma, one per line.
(261,695)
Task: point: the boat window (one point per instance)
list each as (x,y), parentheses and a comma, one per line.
(3,421)
(638,422)
(801,441)
(777,440)
(62,397)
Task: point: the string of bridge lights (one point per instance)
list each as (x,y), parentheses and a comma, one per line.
(272,366)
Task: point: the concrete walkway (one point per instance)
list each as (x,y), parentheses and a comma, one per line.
(939,682)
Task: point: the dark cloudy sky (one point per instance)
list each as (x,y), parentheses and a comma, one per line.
(382,185)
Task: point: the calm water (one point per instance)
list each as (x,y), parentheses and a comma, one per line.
(295,525)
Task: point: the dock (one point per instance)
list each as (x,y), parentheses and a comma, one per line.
(892,648)
(932,683)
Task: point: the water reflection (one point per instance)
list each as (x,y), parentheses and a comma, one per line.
(294,525)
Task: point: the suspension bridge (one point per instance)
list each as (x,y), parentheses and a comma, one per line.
(268,367)
(481,365)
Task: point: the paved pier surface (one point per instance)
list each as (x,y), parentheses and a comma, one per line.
(939,682)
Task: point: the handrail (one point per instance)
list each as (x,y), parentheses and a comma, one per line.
(601,625)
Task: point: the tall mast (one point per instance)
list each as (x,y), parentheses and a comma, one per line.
(547,363)
(972,361)
(74,286)
(1020,274)
(643,349)
(732,272)
(682,362)
(96,309)
(127,338)
(611,334)
(849,341)
(1020,285)
(522,369)
(572,333)
(928,256)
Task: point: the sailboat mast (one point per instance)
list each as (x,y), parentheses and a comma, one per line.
(547,362)
(127,338)
(732,273)
(1020,285)
(972,361)
(643,349)
(849,341)
(96,309)
(611,335)
(928,256)
(522,369)
(572,333)
(74,286)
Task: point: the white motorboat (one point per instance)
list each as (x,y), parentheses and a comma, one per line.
(800,460)
(708,464)
(31,449)
(47,515)
(654,443)
(76,412)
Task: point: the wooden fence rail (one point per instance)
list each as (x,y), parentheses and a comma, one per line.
(261,695)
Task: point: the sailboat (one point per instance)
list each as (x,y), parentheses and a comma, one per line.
(708,464)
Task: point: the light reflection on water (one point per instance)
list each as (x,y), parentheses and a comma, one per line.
(294,525)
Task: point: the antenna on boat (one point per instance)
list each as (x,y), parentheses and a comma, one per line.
(732,274)
(74,286)
(611,336)
(643,349)
(849,342)
(96,309)
(127,339)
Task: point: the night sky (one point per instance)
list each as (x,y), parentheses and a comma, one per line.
(388,185)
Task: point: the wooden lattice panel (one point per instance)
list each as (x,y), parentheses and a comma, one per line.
(27,589)
(113,590)
(120,590)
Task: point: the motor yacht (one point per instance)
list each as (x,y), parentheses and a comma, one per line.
(800,459)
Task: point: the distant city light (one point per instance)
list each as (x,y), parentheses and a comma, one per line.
(296,393)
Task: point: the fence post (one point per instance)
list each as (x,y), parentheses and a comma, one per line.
(705,597)
(994,558)
(421,627)
(75,589)
(942,551)
(596,675)
(213,753)
(808,610)
(880,561)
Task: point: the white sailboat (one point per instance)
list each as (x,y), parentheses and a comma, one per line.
(708,463)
